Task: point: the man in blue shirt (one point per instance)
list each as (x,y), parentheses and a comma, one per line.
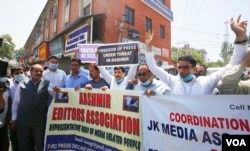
(97,81)
(75,79)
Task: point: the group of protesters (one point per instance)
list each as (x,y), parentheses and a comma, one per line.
(24,106)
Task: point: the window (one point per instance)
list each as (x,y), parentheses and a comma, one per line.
(162,32)
(161,1)
(66,2)
(86,10)
(66,13)
(85,7)
(148,25)
(129,15)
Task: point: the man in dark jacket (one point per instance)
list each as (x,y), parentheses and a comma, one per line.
(29,110)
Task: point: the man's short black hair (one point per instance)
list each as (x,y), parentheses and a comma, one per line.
(76,60)
(189,59)
(15,68)
(202,65)
(52,57)
(119,68)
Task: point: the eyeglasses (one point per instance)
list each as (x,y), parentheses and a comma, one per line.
(183,67)
(141,74)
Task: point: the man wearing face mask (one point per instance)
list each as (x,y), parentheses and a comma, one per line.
(18,75)
(56,76)
(186,83)
(148,83)
(119,81)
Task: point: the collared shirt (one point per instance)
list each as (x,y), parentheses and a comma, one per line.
(158,86)
(72,82)
(13,89)
(15,103)
(56,78)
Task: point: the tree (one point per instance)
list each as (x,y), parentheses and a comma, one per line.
(7,49)
(19,53)
(226,52)
(183,51)
(217,63)
(248,38)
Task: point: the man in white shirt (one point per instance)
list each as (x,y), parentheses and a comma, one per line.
(56,76)
(186,83)
(148,83)
(119,81)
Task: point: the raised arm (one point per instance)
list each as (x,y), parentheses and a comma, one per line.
(132,72)
(157,71)
(240,48)
(105,74)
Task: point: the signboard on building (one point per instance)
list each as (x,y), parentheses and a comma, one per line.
(160,8)
(43,51)
(78,36)
(56,47)
(133,34)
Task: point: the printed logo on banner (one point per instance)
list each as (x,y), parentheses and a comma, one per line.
(235,142)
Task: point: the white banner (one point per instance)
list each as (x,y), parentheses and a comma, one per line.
(178,123)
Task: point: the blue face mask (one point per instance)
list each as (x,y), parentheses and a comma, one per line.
(53,66)
(19,77)
(146,83)
(119,81)
(187,78)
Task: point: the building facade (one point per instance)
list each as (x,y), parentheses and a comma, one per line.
(65,23)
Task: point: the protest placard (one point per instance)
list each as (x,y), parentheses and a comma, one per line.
(118,54)
(87,52)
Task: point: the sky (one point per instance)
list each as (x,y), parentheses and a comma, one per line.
(18,18)
(199,23)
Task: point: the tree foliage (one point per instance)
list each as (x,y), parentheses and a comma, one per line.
(7,49)
(176,53)
(248,38)
(217,63)
(19,53)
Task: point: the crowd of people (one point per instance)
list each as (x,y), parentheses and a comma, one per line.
(24,106)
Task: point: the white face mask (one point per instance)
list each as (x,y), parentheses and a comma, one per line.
(146,83)
(119,81)
(19,77)
(53,66)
